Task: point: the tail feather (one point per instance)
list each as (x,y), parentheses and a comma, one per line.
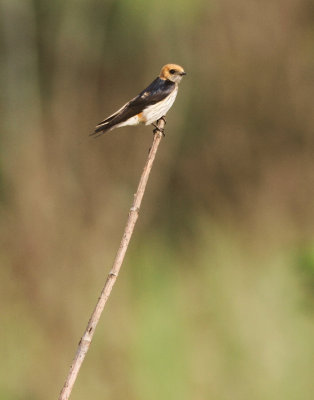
(103,127)
(113,121)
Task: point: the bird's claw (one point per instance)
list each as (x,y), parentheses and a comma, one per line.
(157,129)
(161,130)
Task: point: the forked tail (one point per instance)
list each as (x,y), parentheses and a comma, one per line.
(104,126)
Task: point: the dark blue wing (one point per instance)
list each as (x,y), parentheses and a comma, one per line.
(155,92)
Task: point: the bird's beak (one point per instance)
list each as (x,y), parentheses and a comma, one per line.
(183,73)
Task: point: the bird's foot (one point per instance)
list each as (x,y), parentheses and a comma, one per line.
(161,130)
(158,129)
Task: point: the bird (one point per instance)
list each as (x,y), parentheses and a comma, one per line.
(150,105)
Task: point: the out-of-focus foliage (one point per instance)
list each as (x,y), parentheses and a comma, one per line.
(215,299)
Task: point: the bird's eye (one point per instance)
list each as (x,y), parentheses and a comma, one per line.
(172,71)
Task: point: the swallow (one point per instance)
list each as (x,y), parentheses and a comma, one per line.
(150,105)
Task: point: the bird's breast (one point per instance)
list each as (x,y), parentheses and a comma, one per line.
(155,111)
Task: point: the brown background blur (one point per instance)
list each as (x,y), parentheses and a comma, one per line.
(215,299)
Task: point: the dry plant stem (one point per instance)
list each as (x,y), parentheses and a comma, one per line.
(112,276)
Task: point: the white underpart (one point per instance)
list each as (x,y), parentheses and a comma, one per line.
(154,112)
(131,121)
(158,110)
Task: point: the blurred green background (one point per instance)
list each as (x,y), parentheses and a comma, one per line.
(215,298)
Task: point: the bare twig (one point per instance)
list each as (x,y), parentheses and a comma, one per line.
(112,276)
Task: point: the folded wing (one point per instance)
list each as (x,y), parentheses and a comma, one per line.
(155,92)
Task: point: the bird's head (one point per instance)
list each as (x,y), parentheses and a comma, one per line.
(172,72)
